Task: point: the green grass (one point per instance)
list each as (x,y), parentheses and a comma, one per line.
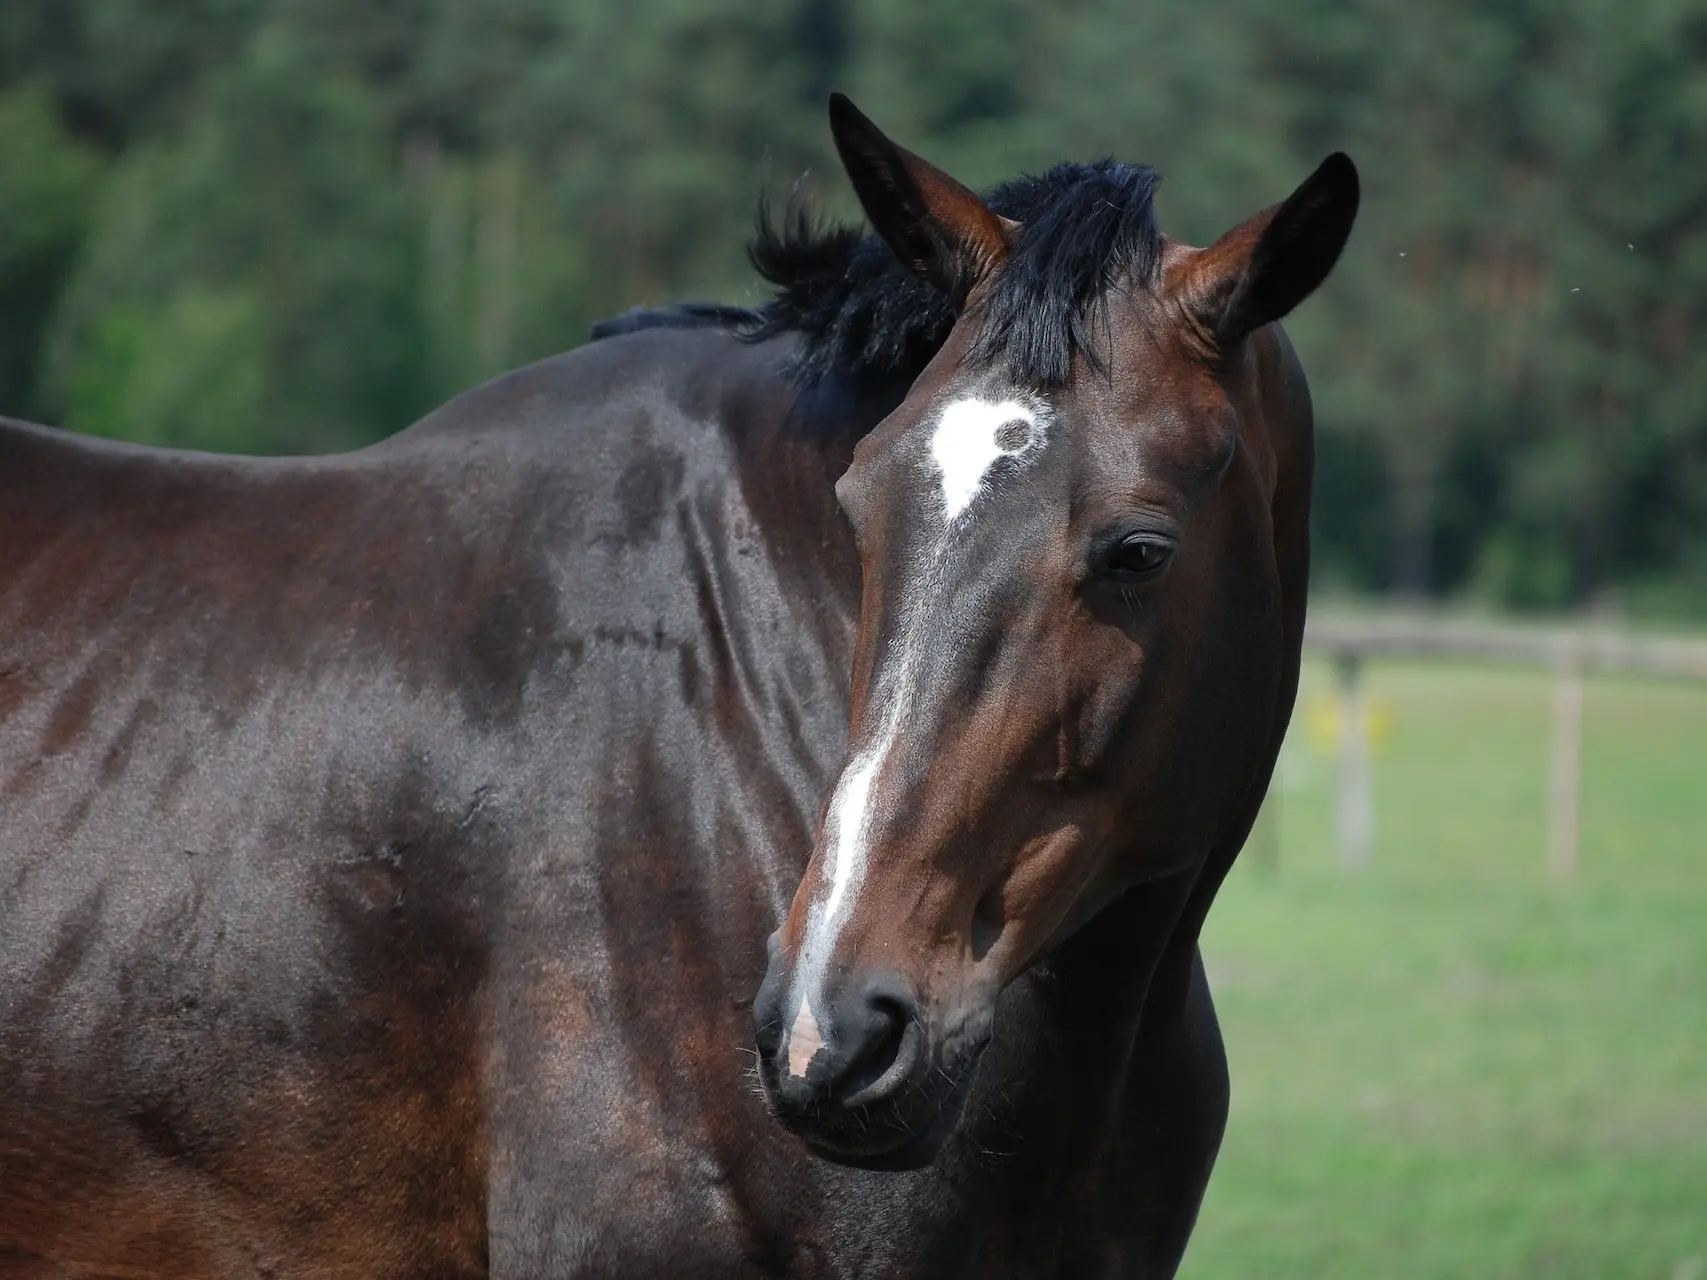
(1445,1065)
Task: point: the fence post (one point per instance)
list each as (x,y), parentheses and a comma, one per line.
(1265,835)
(1355,811)
(1564,785)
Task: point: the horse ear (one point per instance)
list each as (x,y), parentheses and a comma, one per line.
(1267,265)
(941,230)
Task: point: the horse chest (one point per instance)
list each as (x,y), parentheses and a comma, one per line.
(618,1154)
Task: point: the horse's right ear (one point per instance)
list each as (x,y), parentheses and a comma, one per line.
(941,230)
(1268,264)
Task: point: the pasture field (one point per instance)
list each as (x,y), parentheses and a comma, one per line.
(1446,1066)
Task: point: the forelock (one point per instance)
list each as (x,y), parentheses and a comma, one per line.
(1085,231)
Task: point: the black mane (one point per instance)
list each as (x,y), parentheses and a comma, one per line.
(1084,229)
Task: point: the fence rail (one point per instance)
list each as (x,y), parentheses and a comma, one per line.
(1586,649)
(1351,643)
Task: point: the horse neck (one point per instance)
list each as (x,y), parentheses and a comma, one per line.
(792,453)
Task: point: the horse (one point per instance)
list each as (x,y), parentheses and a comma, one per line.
(739,798)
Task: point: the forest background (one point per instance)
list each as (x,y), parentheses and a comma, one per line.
(291,225)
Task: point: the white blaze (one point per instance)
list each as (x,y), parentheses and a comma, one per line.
(850,813)
(965,445)
(804,1039)
(967,441)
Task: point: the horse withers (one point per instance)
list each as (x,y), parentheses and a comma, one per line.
(392,844)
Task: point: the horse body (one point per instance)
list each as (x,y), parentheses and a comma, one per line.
(390,841)
(392,845)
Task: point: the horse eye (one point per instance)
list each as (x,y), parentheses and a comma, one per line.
(1138,557)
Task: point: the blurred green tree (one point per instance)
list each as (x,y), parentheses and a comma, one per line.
(48,182)
(251,282)
(295,224)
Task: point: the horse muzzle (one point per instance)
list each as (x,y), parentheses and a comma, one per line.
(851,1066)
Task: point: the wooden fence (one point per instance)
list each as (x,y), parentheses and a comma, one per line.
(1350,644)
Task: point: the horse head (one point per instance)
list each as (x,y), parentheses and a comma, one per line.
(1072,650)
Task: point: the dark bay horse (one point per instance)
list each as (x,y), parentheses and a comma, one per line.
(392,844)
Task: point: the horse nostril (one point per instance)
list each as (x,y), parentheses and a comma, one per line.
(885,1058)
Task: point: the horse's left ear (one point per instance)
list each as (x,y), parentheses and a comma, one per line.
(939,228)
(1267,265)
